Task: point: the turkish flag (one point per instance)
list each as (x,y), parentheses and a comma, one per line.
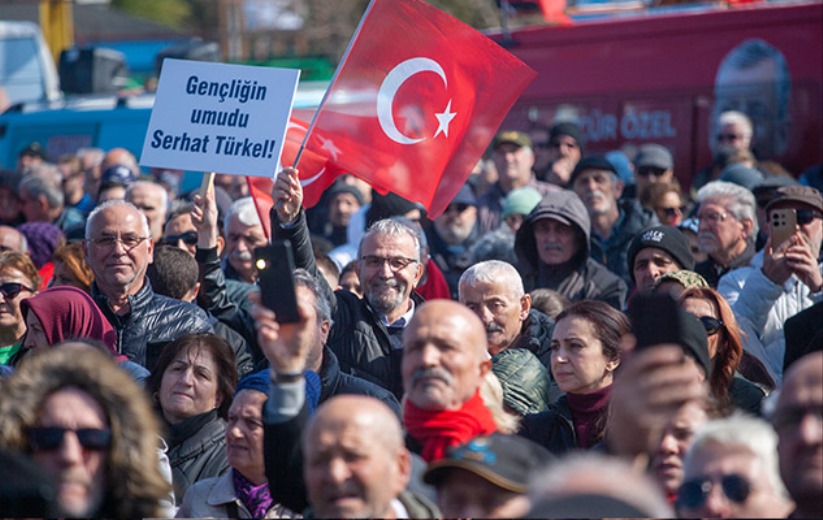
(415,102)
(316,172)
(554,12)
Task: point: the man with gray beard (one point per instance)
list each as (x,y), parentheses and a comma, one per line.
(614,223)
(552,248)
(367,332)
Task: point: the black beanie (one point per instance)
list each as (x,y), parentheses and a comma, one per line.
(666,238)
(592,162)
(694,340)
(569,129)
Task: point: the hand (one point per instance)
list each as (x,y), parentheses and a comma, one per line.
(775,266)
(204,218)
(560,171)
(287,195)
(648,391)
(800,260)
(285,345)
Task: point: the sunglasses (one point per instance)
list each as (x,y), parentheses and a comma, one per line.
(189,237)
(653,172)
(693,493)
(805,216)
(712,325)
(12,289)
(671,212)
(459,207)
(49,439)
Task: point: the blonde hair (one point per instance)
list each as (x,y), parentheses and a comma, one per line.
(491,391)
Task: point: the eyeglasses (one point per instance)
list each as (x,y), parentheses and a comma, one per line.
(728,137)
(671,212)
(12,289)
(459,207)
(651,171)
(693,493)
(189,237)
(712,325)
(48,439)
(128,241)
(806,216)
(396,263)
(712,217)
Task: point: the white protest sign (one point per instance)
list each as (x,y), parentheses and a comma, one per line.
(216,117)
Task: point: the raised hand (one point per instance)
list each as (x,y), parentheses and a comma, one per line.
(287,195)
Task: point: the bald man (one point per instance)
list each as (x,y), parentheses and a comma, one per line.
(356,465)
(444,364)
(12,240)
(797,420)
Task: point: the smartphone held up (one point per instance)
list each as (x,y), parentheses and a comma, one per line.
(275,267)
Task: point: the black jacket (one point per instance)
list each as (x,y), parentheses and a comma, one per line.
(202,454)
(615,254)
(552,429)
(154,320)
(581,278)
(536,336)
(358,337)
(334,382)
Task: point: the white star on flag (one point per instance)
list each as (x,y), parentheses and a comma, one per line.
(444,118)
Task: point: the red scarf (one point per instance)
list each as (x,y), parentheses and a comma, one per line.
(441,429)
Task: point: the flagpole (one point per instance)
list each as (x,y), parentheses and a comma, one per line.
(331,83)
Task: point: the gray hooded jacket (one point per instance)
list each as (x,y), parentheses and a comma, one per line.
(581,278)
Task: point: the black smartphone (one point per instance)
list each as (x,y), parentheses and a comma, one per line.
(655,320)
(275,268)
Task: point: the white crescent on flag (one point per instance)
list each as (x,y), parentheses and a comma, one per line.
(388,89)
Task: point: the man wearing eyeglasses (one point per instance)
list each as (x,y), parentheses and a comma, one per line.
(452,236)
(731,471)
(727,228)
(782,279)
(367,332)
(118,250)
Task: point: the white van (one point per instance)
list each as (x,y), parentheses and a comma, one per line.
(27,71)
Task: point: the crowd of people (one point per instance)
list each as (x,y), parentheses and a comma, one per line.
(576,335)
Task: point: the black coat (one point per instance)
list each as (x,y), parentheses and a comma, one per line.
(358,337)
(153,321)
(552,429)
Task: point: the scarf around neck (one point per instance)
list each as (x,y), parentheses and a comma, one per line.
(587,413)
(256,498)
(441,429)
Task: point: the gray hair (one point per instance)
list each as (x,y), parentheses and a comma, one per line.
(96,155)
(750,433)
(116,203)
(733,117)
(322,305)
(493,271)
(164,195)
(246,212)
(742,204)
(392,228)
(38,186)
(590,473)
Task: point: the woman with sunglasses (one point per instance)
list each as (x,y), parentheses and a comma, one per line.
(727,385)
(666,200)
(18,280)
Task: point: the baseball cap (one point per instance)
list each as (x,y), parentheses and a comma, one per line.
(33,149)
(506,461)
(522,201)
(802,194)
(465,196)
(654,156)
(741,175)
(117,175)
(592,162)
(511,136)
